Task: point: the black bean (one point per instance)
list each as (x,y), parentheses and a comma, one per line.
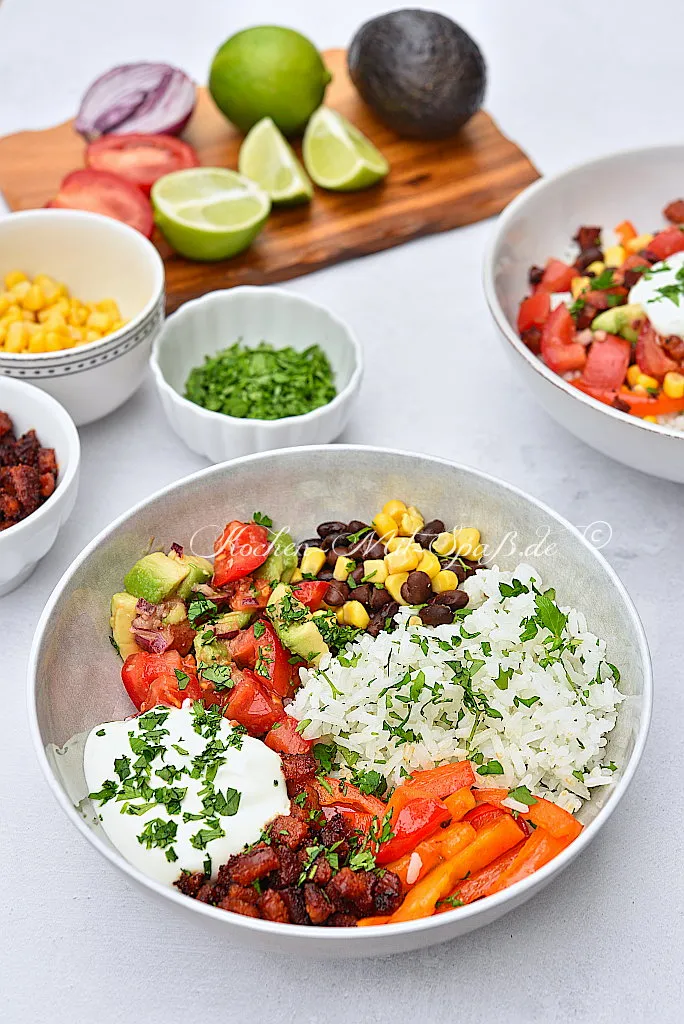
(362,593)
(356,525)
(325,574)
(311,542)
(334,526)
(337,593)
(436,615)
(590,255)
(333,540)
(377,622)
(375,549)
(360,549)
(431,530)
(358,574)
(378,598)
(335,553)
(535,274)
(452,599)
(416,589)
(454,565)
(472,567)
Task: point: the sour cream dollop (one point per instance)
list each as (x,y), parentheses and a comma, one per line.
(663,313)
(177,785)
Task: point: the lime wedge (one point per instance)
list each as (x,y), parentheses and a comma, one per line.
(209,213)
(338,156)
(266,158)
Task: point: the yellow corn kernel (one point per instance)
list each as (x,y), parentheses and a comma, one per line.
(37,341)
(55,319)
(385,527)
(312,561)
(3,333)
(78,314)
(399,542)
(673,385)
(99,322)
(13,313)
(17,337)
(14,277)
(445,580)
(20,289)
(76,333)
(33,299)
(633,374)
(429,563)
(411,523)
(117,325)
(61,306)
(375,570)
(646,382)
(110,307)
(597,267)
(403,560)
(5,302)
(444,544)
(476,553)
(614,256)
(355,615)
(466,540)
(296,576)
(395,509)
(343,566)
(55,341)
(578,285)
(639,243)
(27,316)
(339,615)
(415,620)
(92,335)
(393,584)
(650,419)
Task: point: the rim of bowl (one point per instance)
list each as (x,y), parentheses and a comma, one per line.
(74,454)
(109,223)
(500,318)
(319,933)
(188,308)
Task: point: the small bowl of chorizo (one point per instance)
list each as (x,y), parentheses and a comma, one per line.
(39,467)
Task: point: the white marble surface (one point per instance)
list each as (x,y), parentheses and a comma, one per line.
(602,944)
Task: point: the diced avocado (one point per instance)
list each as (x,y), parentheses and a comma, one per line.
(155,577)
(211,652)
(123,613)
(231,622)
(199,571)
(619,320)
(282,561)
(177,614)
(295,626)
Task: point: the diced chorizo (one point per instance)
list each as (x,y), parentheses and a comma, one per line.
(289,868)
(339,920)
(26,487)
(293,899)
(289,831)
(46,482)
(9,507)
(5,424)
(237,906)
(272,907)
(587,257)
(26,449)
(352,891)
(205,893)
(245,868)
(674,211)
(588,238)
(299,767)
(387,894)
(322,871)
(190,884)
(47,460)
(317,903)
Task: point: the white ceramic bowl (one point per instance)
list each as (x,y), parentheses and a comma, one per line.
(22,546)
(539,223)
(74,675)
(97,258)
(215,321)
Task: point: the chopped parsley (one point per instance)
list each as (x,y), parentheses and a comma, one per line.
(522,795)
(202,607)
(262,520)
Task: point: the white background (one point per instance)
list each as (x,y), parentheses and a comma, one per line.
(568,81)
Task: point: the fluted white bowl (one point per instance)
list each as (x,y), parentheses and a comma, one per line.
(252,314)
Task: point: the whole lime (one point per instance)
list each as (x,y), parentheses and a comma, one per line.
(268,71)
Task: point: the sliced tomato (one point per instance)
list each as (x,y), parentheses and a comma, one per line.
(557,276)
(250,593)
(258,648)
(534,311)
(253,705)
(650,355)
(140,159)
(667,242)
(311,593)
(284,738)
(639,405)
(141,672)
(416,821)
(559,349)
(241,548)
(607,363)
(102,192)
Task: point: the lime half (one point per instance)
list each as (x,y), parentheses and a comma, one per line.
(266,158)
(209,213)
(338,156)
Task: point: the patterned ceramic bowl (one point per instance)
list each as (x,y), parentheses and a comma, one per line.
(97,258)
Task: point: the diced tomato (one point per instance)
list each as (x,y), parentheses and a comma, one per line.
(557,276)
(168,689)
(483,814)
(534,311)
(333,791)
(639,405)
(258,648)
(140,159)
(284,738)
(139,671)
(250,594)
(650,356)
(559,350)
(633,261)
(253,705)
(416,821)
(607,362)
(667,242)
(241,548)
(359,821)
(102,192)
(311,593)
(625,231)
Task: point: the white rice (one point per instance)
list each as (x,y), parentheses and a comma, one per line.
(362,699)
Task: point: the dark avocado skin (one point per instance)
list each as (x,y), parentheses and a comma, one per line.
(420,72)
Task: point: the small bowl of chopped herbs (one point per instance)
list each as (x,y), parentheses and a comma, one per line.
(255,368)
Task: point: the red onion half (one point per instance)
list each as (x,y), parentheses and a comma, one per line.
(153,99)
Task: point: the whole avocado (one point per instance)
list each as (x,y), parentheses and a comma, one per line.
(420,72)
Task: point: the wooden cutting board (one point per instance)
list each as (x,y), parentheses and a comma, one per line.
(432,186)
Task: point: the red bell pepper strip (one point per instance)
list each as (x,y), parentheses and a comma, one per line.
(311,593)
(557,276)
(253,705)
(607,363)
(651,357)
(490,796)
(534,311)
(666,243)
(625,231)
(483,814)
(639,405)
(258,648)
(415,822)
(480,883)
(437,783)
(241,548)
(284,738)
(559,349)
(333,791)
(538,850)
(554,819)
